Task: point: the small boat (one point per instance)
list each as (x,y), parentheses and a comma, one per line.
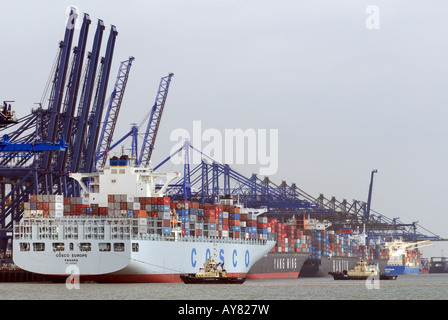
(213,272)
(362,271)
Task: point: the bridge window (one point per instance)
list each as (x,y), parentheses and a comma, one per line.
(104,247)
(85,246)
(119,247)
(24,246)
(39,246)
(58,246)
(135,247)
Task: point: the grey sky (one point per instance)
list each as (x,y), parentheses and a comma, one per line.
(345,99)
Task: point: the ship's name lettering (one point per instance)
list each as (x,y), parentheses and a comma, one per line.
(74,255)
(235,257)
(285,263)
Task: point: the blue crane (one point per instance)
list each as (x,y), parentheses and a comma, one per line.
(112,112)
(26,150)
(154,122)
(97,112)
(155,116)
(78,137)
(63,66)
(34,137)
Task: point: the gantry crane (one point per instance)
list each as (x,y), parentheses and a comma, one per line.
(112,112)
(37,133)
(154,122)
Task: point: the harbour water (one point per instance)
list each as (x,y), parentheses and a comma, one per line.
(407,287)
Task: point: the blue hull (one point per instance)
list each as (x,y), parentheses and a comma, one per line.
(394,270)
(411,270)
(397,270)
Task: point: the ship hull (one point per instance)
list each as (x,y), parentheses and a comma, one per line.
(411,270)
(397,270)
(192,279)
(164,261)
(322,267)
(344,276)
(438,266)
(277,265)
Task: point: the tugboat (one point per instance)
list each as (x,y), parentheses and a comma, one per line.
(213,272)
(362,271)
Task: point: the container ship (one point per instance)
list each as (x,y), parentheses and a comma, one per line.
(339,250)
(308,248)
(438,265)
(404,257)
(289,254)
(124,229)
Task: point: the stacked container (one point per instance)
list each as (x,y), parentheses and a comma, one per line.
(159,214)
(45,206)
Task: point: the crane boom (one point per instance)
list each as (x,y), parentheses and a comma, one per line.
(112,112)
(154,121)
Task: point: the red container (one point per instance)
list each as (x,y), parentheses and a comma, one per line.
(194,205)
(142,213)
(234,222)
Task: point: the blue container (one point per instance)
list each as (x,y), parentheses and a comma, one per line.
(263,231)
(201,212)
(234,216)
(89,210)
(166,230)
(193,211)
